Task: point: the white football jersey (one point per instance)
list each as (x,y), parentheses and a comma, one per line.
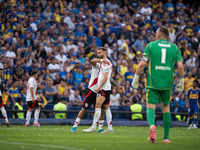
(105,68)
(31,83)
(94,77)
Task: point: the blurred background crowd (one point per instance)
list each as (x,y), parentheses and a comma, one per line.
(60,37)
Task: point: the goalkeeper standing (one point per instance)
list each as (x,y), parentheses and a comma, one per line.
(161,56)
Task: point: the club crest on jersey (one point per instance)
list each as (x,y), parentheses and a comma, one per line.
(86,104)
(98,94)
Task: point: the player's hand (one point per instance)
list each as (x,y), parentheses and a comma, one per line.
(39,99)
(97,89)
(187,106)
(33,100)
(135,81)
(180,86)
(120,88)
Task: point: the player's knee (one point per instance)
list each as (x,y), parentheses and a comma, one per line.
(30,109)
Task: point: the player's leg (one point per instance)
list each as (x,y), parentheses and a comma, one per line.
(196,110)
(28,116)
(152,98)
(108,119)
(101,121)
(99,101)
(190,114)
(36,114)
(165,106)
(90,99)
(3,111)
(166,121)
(78,119)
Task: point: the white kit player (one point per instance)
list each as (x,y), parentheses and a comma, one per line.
(103,91)
(32,100)
(91,94)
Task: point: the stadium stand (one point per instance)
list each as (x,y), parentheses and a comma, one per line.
(63,35)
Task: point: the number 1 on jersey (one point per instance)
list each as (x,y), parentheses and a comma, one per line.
(163,57)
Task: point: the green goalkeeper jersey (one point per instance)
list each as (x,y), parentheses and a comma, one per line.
(162,56)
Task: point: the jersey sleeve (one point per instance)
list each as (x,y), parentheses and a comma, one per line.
(178,55)
(97,66)
(147,52)
(31,83)
(105,68)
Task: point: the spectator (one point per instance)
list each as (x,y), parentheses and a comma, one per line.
(78,77)
(182,103)
(135,107)
(188,81)
(169,7)
(14,92)
(63,91)
(146,11)
(18,106)
(60,107)
(75,99)
(115,98)
(54,68)
(139,44)
(50,91)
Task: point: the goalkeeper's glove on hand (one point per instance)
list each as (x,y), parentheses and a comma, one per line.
(135,81)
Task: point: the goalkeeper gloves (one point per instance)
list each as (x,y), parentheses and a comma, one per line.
(135,81)
(180,86)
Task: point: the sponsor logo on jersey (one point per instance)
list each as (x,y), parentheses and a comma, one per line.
(162,68)
(86,104)
(164,45)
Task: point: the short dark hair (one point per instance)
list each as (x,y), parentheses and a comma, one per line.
(102,48)
(196,81)
(33,72)
(19,99)
(164,30)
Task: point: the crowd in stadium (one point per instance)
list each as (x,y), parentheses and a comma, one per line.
(58,38)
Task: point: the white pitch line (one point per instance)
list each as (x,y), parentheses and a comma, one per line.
(42,145)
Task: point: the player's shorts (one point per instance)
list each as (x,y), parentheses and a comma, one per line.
(30,104)
(155,96)
(1,101)
(106,94)
(90,99)
(193,110)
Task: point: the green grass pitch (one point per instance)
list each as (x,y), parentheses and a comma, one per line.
(18,137)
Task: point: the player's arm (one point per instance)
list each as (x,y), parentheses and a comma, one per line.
(187,102)
(120,88)
(105,77)
(32,94)
(97,60)
(179,59)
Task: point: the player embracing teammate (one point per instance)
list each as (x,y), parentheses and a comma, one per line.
(90,98)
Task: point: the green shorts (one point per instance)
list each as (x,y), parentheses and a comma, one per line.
(155,96)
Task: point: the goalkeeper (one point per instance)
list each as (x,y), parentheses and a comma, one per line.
(161,56)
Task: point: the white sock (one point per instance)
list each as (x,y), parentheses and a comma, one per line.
(96,117)
(109,118)
(28,117)
(77,121)
(101,124)
(190,125)
(3,111)
(36,115)
(195,125)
